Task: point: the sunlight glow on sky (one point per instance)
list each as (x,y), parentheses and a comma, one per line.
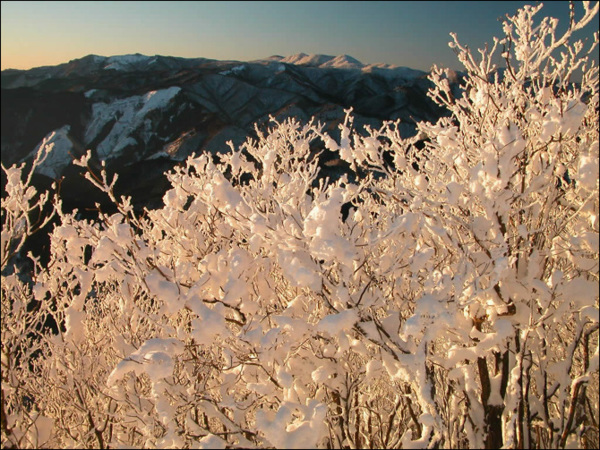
(412,34)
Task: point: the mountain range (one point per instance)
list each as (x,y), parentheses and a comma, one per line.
(144,114)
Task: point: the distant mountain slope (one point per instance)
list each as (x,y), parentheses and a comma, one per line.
(143,114)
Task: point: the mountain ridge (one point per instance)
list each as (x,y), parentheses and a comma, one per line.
(122,62)
(144,114)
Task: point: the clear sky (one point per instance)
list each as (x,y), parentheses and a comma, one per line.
(413,34)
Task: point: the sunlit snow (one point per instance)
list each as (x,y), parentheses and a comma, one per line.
(128,113)
(61,153)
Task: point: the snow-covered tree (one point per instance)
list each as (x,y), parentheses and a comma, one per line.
(444,295)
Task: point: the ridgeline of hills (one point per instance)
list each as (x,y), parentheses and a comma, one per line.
(144,114)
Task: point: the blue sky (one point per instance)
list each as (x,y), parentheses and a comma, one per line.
(413,34)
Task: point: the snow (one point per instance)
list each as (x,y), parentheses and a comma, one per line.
(276,303)
(580,291)
(164,290)
(211,441)
(302,59)
(343,62)
(226,197)
(587,171)
(154,358)
(300,269)
(234,70)
(393,72)
(335,323)
(284,431)
(130,114)
(431,317)
(158,99)
(124,62)
(323,61)
(209,322)
(589,313)
(74,324)
(323,225)
(374,369)
(60,155)
(43,428)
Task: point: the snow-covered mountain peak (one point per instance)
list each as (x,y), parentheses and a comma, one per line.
(344,62)
(124,62)
(323,61)
(302,59)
